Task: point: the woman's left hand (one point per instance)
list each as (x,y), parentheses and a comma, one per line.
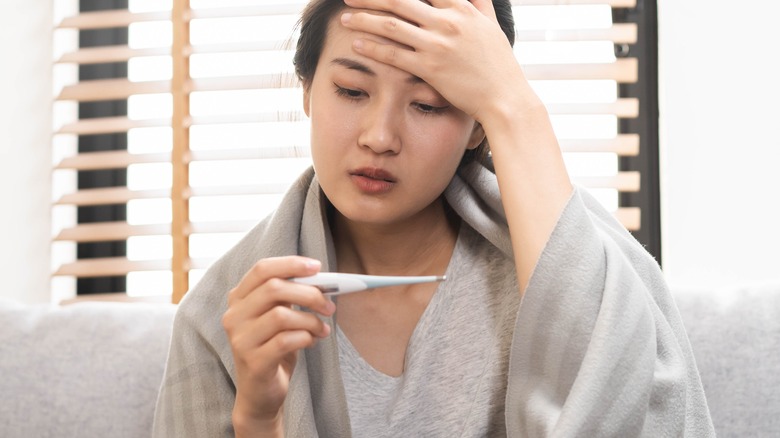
(455,46)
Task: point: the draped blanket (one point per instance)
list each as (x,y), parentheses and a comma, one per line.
(598,348)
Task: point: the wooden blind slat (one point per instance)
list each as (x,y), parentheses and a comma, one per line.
(248,82)
(619,33)
(112,231)
(622,181)
(108,231)
(110,195)
(625,107)
(109,125)
(244,46)
(276,116)
(221,227)
(111,89)
(630,217)
(274,188)
(110,160)
(99,55)
(110,266)
(122,297)
(623,145)
(290,7)
(623,70)
(250,153)
(111,18)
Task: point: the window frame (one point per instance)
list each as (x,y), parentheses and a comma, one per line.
(645,161)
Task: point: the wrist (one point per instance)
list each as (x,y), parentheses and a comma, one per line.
(245,425)
(522,107)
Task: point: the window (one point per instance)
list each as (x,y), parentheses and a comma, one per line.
(207,126)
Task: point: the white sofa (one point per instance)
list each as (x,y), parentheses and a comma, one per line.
(93,369)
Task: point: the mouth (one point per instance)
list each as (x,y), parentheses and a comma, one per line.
(374,174)
(373,181)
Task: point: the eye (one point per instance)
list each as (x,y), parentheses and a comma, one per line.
(429,109)
(348,92)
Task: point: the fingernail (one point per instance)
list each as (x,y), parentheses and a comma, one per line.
(313,264)
(357,44)
(345,17)
(330,307)
(325,331)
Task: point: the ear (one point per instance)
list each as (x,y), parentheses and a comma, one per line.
(306,100)
(477,135)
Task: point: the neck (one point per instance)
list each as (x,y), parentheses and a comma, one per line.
(421,245)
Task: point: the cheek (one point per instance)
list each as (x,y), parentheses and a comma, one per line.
(444,142)
(330,130)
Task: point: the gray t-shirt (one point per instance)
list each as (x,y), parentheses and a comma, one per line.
(454,379)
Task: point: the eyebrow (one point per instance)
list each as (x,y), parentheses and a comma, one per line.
(351,64)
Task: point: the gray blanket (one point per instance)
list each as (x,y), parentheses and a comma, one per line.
(598,348)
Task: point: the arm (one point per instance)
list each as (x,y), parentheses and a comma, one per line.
(266,333)
(233,380)
(599,348)
(459,49)
(531,176)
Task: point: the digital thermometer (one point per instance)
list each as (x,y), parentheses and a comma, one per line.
(334,283)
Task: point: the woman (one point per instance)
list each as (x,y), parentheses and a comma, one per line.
(553,320)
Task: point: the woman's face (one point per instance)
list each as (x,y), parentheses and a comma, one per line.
(384,143)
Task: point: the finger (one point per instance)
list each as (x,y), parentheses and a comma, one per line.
(274,267)
(414,11)
(257,332)
(387,26)
(389,54)
(265,360)
(277,291)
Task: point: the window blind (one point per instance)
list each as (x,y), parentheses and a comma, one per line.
(216,132)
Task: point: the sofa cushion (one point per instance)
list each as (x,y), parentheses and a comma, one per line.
(89,369)
(735,336)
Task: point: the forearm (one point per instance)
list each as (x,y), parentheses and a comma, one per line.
(532,176)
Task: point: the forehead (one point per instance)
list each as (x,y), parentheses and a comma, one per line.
(337,52)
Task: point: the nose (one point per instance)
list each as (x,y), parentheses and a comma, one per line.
(380,130)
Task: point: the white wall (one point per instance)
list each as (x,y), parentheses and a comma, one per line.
(25,149)
(720,114)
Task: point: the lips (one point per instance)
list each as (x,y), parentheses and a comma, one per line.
(374,173)
(373,180)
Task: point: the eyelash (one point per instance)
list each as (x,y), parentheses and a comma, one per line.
(357,94)
(349,93)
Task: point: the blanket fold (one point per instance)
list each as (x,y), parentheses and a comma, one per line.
(598,346)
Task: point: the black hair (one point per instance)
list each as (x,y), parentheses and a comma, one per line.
(313,25)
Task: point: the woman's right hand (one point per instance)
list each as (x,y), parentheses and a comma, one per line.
(265,335)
